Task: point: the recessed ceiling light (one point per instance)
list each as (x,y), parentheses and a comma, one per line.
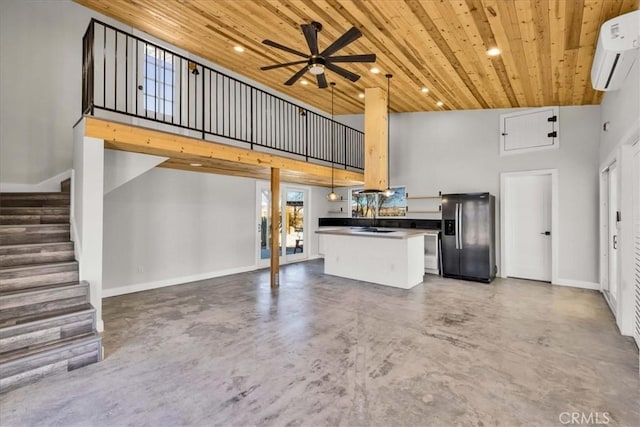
(375,70)
(439,103)
(195,165)
(238,48)
(304,82)
(361,95)
(425,90)
(494,51)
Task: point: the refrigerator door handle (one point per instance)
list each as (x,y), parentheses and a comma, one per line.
(455,231)
(457,225)
(460,225)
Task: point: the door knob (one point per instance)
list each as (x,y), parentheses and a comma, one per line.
(546,233)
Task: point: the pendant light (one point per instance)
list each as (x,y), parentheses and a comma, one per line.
(389,191)
(333,195)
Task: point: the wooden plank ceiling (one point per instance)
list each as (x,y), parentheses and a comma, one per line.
(547,45)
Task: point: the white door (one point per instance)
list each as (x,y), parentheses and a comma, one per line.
(528,226)
(611,290)
(636,238)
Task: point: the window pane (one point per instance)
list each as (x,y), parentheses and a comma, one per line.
(395,205)
(362,206)
(370,205)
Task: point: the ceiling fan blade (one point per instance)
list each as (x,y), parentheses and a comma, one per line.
(296,76)
(285,48)
(350,36)
(311,34)
(344,73)
(369,57)
(322,81)
(285,64)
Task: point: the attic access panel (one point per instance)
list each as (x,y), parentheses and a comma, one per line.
(529,130)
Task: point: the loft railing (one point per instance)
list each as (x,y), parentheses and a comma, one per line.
(124,74)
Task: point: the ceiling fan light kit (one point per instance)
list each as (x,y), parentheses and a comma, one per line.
(317,63)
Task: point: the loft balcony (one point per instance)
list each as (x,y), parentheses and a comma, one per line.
(145,98)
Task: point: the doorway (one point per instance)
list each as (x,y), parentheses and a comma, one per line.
(528,225)
(294,232)
(611,232)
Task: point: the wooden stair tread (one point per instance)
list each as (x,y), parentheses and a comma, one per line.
(39,350)
(33,226)
(34,210)
(27,248)
(46,288)
(53,267)
(34,195)
(47,315)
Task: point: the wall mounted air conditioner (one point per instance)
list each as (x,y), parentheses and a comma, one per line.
(617,50)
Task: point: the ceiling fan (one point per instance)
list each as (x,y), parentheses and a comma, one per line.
(317,61)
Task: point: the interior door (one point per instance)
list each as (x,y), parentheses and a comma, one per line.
(613,232)
(528,227)
(636,238)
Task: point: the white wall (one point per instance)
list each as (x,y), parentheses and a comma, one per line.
(40,75)
(87,213)
(40,83)
(621,109)
(458,151)
(168,227)
(171,224)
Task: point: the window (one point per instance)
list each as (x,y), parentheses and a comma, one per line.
(158,82)
(378,205)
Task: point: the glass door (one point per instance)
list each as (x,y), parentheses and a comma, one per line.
(293,234)
(294,218)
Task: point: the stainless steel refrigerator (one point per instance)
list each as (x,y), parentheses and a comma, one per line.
(468,236)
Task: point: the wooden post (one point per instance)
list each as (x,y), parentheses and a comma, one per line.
(275,228)
(375,139)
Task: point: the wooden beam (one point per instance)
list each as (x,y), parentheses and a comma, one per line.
(215,157)
(376,139)
(275,229)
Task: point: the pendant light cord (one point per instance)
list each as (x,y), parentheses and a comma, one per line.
(333,127)
(388,76)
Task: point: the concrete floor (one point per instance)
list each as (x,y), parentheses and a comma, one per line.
(327,351)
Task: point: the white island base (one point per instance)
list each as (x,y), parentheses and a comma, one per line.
(392,259)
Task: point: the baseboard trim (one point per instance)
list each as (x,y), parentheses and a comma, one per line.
(146,286)
(578,284)
(48,185)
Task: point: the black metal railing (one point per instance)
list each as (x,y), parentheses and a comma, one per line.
(124,74)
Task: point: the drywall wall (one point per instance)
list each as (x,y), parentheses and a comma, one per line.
(123,166)
(458,151)
(87,214)
(40,83)
(168,226)
(40,75)
(620,110)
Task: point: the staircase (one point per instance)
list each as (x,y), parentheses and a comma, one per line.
(47,324)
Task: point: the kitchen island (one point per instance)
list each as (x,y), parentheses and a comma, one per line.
(391,257)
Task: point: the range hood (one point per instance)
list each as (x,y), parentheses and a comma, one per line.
(376,141)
